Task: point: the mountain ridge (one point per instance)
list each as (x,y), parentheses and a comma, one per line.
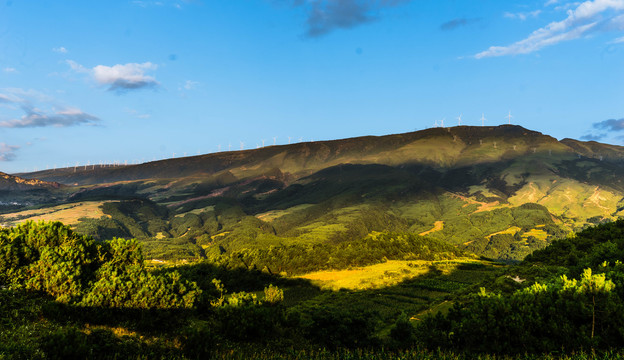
(306,158)
(500,192)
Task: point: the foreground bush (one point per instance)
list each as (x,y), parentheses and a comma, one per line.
(76,269)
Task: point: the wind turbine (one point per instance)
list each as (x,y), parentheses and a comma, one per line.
(242,144)
(262,142)
(509,117)
(289,139)
(483,119)
(274,140)
(442,122)
(459,119)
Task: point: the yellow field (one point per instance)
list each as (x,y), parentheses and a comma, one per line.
(66,213)
(437,226)
(537,233)
(511,231)
(385,274)
(274,214)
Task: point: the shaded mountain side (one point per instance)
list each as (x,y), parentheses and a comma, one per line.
(595,149)
(436,147)
(500,191)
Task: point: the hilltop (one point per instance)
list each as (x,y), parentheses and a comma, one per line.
(16,183)
(498,191)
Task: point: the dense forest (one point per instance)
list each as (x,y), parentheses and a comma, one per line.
(65,295)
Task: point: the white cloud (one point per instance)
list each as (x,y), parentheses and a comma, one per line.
(120,78)
(587,18)
(57,116)
(35,117)
(7,152)
(617,41)
(60,50)
(190,85)
(522,15)
(9,70)
(551,2)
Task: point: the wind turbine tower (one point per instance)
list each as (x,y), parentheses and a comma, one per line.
(442,122)
(483,119)
(509,118)
(459,119)
(274,140)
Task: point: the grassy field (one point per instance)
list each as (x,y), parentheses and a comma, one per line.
(67,213)
(389,273)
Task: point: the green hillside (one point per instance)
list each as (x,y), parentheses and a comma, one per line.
(501,192)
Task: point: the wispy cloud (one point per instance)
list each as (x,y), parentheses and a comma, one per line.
(38,118)
(137,114)
(176,3)
(120,78)
(60,50)
(567,6)
(587,18)
(325,16)
(456,23)
(593,137)
(617,41)
(610,125)
(57,116)
(7,152)
(9,70)
(190,84)
(522,15)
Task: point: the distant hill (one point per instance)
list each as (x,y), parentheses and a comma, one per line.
(15,183)
(497,191)
(17,192)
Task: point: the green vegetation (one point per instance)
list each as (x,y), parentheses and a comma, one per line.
(75,269)
(66,295)
(576,305)
(298,259)
(248,255)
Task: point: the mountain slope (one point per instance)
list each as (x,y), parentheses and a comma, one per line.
(15,183)
(497,191)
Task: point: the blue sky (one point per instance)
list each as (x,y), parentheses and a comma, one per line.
(103,81)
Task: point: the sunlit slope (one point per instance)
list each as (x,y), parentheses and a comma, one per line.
(497,191)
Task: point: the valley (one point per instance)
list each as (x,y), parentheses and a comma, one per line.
(400,237)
